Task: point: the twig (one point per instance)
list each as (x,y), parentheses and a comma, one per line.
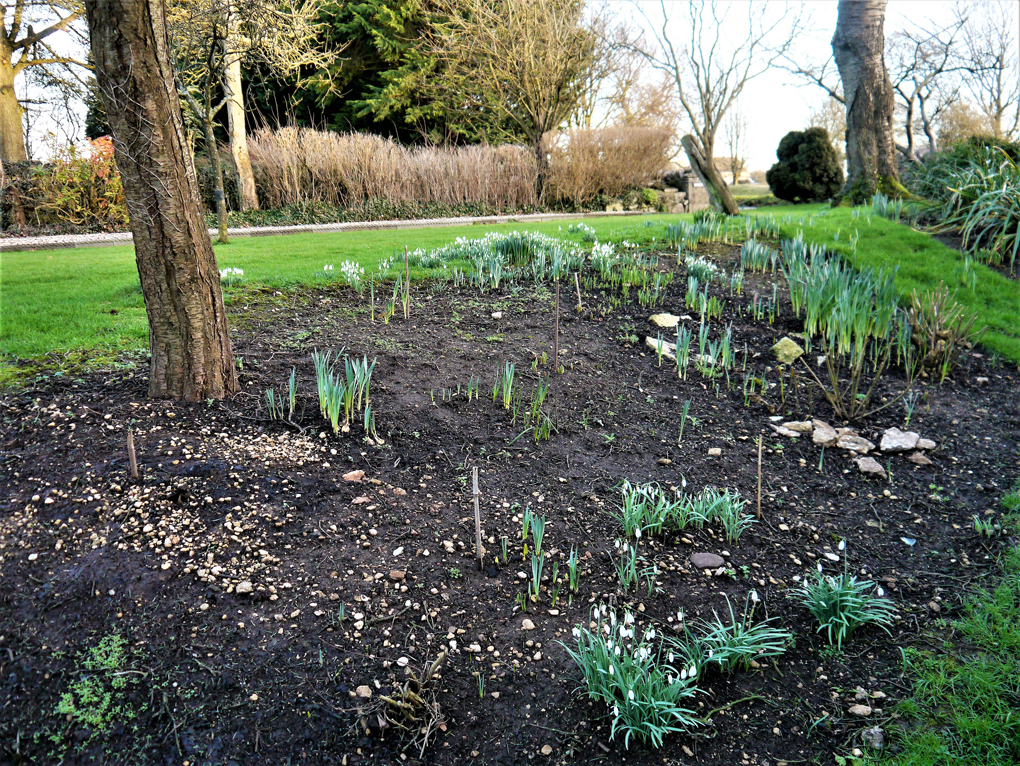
(478,518)
(132,460)
(759,476)
(578,286)
(556,333)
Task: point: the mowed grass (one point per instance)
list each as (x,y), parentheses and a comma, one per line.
(963,709)
(89,299)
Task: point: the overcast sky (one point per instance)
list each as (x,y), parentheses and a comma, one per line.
(777,101)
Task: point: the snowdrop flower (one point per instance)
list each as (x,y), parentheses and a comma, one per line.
(819,566)
(577,632)
(612,670)
(683,674)
(881,591)
(612,618)
(754,597)
(628,618)
(630,694)
(616,711)
(637,533)
(609,644)
(650,634)
(669,678)
(710,653)
(842,545)
(694,670)
(603,609)
(617,545)
(680,615)
(617,650)
(671,656)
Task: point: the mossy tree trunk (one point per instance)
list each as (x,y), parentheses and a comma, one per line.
(191,357)
(858,46)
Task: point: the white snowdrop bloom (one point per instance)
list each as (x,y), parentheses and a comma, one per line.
(609,644)
(880,591)
(616,711)
(710,653)
(617,545)
(819,565)
(683,483)
(612,618)
(693,671)
(671,656)
(577,632)
(683,674)
(623,631)
(628,618)
(637,533)
(618,652)
(669,678)
(612,670)
(680,615)
(754,596)
(603,609)
(650,634)
(630,694)
(842,545)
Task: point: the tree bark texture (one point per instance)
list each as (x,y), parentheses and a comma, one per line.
(705,170)
(191,357)
(858,46)
(209,131)
(12,130)
(246,193)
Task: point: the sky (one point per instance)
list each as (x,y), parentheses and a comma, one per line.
(777,102)
(774,103)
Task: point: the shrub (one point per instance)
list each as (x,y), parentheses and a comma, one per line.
(298,165)
(584,164)
(808,168)
(82,189)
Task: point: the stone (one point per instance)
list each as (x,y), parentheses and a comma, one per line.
(665,461)
(364,691)
(396,575)
(800,426)
(714,451)
(354,476)
(527,624)
(823,434)
(784,431)
(243,587)
(546,749)
(403,662)
(786,351)
(666,320)
(860,710)
(895,440)
(855,444)
(918,458)
(925,444)
(871,467)
(873,738)
(497,314)
(668,349)
(707,560)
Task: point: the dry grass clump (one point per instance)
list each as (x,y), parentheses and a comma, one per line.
(611,161)
(294,165)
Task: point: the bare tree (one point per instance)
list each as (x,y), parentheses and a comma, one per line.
(991,64)
(831,116)
(711,70)
(922,69)
(736,141)
(525,62)
(191,357)
(26,29)
(858,47)
(211,38)
(960,121)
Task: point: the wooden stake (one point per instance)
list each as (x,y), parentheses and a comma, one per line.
(759,476)
(556,333)
(478,518)
(132,460)
(577,284)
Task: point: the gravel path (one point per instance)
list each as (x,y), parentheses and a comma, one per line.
(60,241)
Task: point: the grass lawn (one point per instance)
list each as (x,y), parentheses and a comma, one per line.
(89,299)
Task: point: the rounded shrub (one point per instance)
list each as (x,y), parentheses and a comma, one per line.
(808,168)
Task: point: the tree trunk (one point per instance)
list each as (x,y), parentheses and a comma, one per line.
(213,151)
(238,137)
(541,169)
(858,46)
(704,168)
(191,358)
(12,130)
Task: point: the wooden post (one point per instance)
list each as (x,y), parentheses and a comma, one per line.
(556,332)
(478,518)
(132,460)
(577,284)
(759,476)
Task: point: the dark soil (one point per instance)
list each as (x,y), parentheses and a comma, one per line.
(350,581)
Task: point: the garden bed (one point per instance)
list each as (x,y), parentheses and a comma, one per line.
(227,606)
